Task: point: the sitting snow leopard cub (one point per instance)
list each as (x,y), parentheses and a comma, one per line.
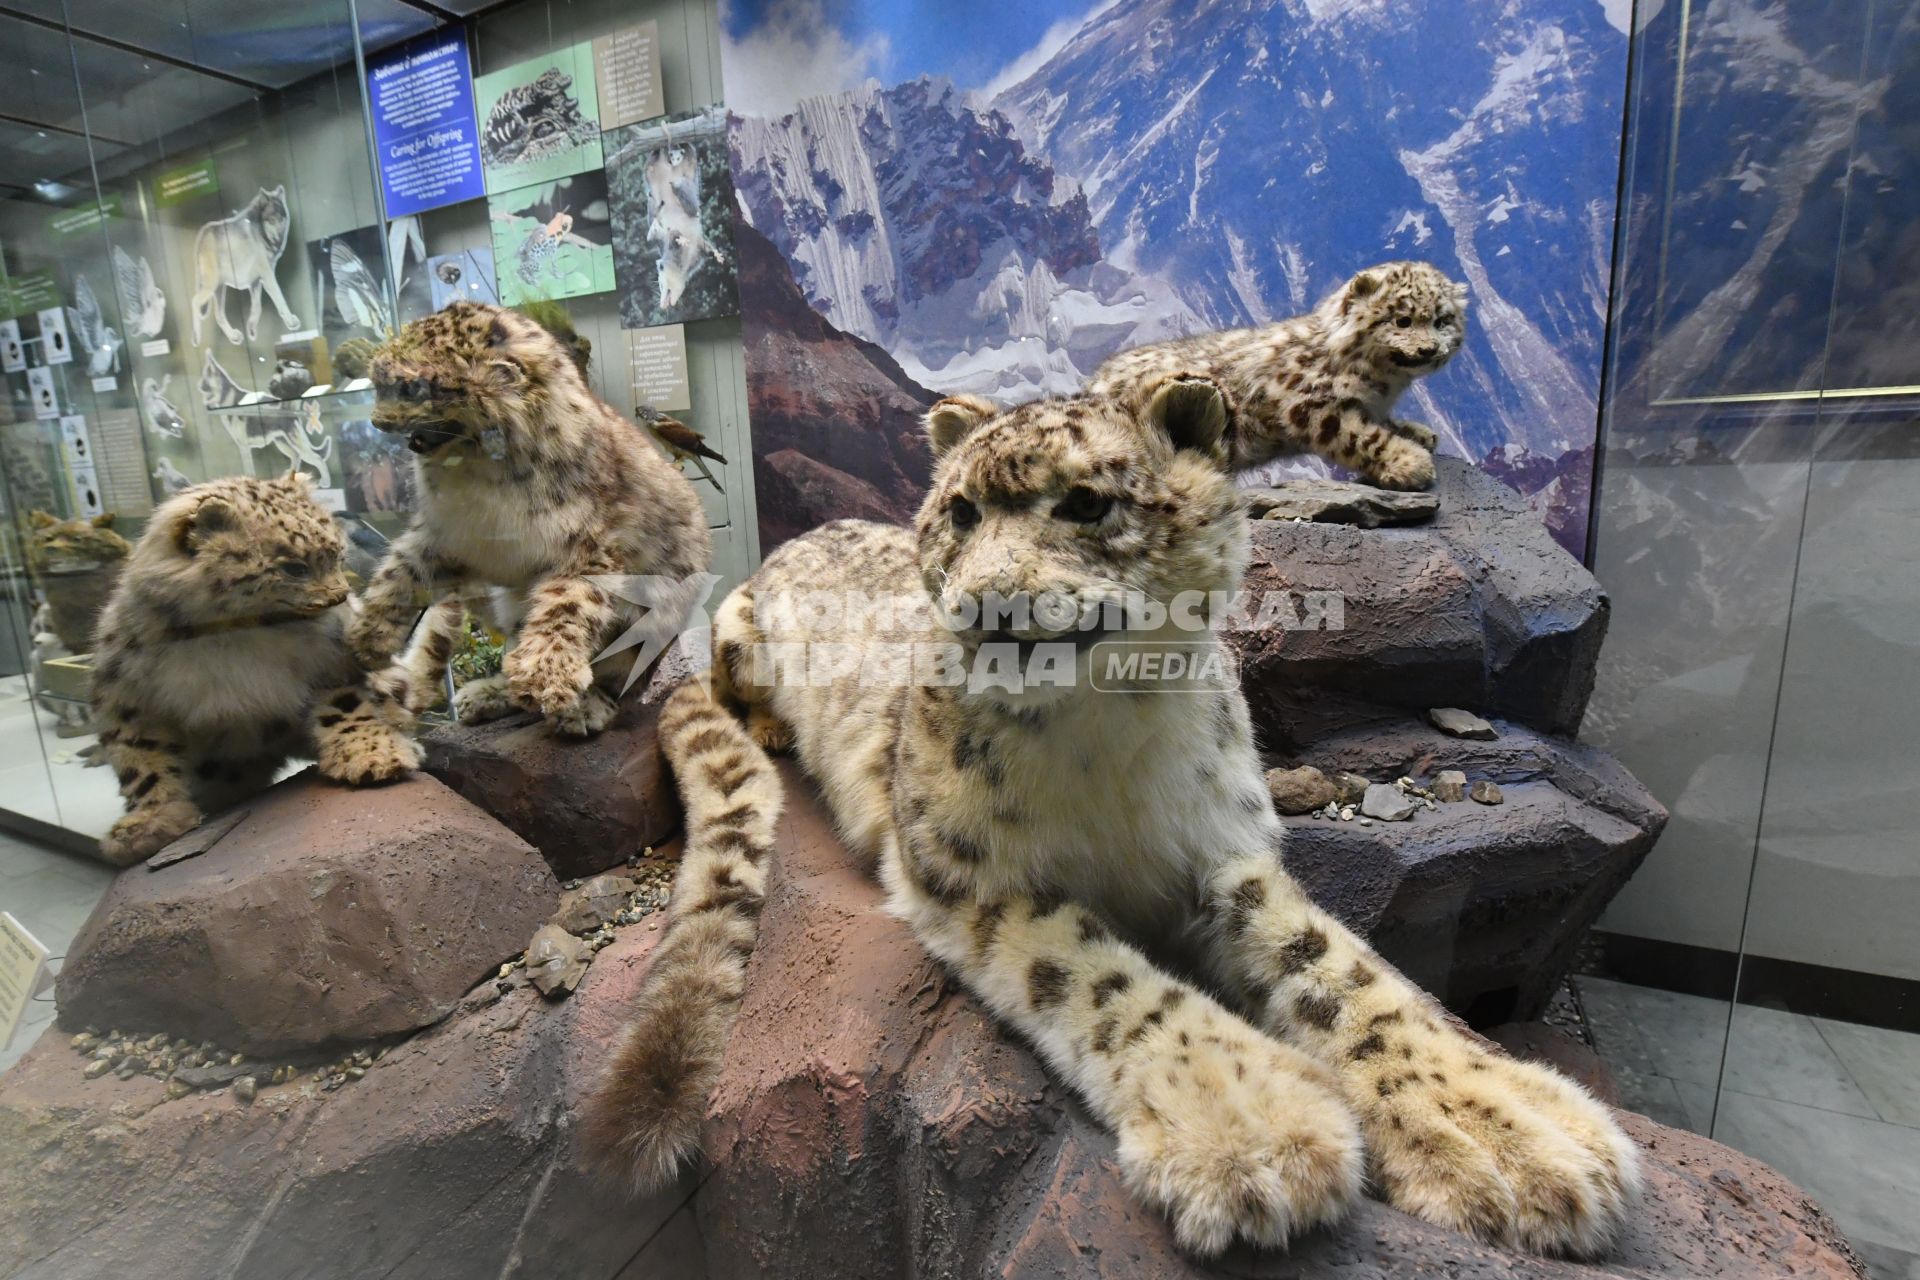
(531,487)
(1324,382)
(222,653)
(1048,844)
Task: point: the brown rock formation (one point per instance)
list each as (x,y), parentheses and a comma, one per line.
(871,1122)
(326,917)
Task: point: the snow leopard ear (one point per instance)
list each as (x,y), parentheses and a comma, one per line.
(1189,410)
(954,419)
(104,520)
(1361,287)
(1458,294)
(209,516)
(502,375)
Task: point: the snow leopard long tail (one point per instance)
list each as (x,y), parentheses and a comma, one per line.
(643,1118)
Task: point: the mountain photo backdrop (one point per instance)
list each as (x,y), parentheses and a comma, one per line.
(993,198)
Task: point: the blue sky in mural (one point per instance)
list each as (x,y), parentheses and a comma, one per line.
(974,45)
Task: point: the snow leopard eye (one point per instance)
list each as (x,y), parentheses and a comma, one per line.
(1443,322)
(1402,322)
(963,513)
(1083,506)
(295,569)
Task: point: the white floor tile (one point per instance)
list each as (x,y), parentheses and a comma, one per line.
(1885,1064)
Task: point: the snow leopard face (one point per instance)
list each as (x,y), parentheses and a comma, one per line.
(1406,318)
(463,373)
(1081,507)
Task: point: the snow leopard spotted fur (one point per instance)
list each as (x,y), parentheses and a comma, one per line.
(533,493)
(1067,851)
(1325,382)
(222,655)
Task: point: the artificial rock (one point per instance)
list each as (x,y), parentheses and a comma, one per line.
(587,805)
(1477,608)
(870,1118)
(325,916)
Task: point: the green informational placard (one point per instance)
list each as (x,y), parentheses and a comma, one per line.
(188,182)
(74,222)
(31,293)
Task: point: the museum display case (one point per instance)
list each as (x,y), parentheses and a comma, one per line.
(212,218)
(1594,726)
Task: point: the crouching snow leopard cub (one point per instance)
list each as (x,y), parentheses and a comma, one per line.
(533,492)
(222,653)
(1324,382)
(1062,847)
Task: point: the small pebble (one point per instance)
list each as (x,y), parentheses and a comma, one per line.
(245,1087)
(1487,792)
(97,1068)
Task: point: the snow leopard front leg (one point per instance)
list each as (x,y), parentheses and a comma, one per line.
(151,765)
(1419,433)
(409,578)
(1375,447)
(1457,1133)
(360,730)
(550,666)
(1228,1132)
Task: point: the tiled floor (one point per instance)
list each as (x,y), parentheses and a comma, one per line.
(51,894)
(1833,1105)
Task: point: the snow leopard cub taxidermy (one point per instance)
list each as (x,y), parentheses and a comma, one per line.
(1324,382)
(1048,843)
(222,653)
(533,491)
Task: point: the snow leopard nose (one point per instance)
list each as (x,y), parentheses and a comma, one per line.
(1427,352)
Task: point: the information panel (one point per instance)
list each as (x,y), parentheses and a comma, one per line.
(424,131)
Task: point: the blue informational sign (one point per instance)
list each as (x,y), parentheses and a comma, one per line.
(424,131)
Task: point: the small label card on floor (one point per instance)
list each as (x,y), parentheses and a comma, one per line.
(659,359)
(22,960)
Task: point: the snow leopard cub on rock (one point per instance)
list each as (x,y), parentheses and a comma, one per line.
(1324,382)
(1100,866)
(222,654)
(533,491)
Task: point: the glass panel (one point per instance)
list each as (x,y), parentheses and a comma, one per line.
(55,576)
(1757,980)
(195,203)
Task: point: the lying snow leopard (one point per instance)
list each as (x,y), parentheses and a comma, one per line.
(1047,844)
(222,654)
(531,489)
(1324,382)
